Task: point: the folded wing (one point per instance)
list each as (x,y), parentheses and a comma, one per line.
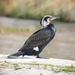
(37,39)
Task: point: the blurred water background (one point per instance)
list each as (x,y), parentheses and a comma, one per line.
(20,18)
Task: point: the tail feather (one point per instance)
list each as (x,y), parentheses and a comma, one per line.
(15,55)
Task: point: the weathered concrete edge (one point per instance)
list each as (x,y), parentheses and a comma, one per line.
(53,61)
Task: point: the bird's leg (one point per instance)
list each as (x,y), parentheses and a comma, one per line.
(38,56)
(23,55)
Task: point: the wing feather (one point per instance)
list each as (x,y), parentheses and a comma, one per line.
(38,38)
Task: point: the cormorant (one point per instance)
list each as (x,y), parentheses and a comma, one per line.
(39,39)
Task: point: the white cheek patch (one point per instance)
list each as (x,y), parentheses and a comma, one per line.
(36,48)
(44,23)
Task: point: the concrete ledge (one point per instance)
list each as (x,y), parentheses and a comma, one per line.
(36,66)
(30,59)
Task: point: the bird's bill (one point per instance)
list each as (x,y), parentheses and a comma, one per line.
(53,18)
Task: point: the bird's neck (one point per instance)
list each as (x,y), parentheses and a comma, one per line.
(52,27)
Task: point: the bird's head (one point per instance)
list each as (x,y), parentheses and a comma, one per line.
(46,20)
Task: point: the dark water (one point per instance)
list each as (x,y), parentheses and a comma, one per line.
(62,46)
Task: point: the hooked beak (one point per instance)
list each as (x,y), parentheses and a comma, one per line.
(53,18)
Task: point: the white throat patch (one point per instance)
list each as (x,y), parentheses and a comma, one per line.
(44,23)
(36,48)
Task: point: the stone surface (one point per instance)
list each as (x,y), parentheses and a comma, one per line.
(33,70)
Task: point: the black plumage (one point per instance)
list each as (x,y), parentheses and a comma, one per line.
(38,40)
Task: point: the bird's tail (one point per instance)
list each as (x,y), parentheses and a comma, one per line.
(15,55)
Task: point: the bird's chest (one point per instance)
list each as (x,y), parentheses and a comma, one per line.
(53,29)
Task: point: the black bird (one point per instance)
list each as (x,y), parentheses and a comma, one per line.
(39,39)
